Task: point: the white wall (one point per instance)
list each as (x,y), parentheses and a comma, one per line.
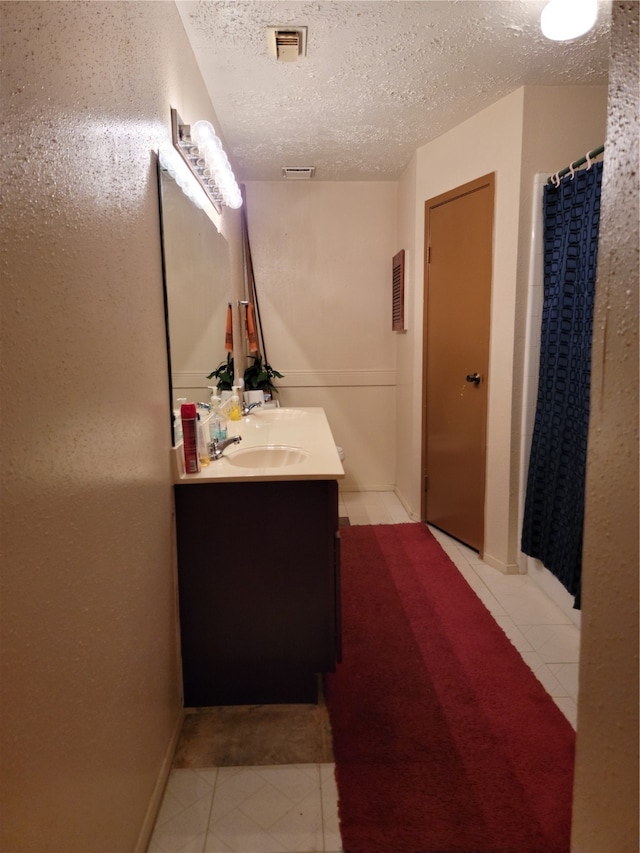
(322,254)
(91,696)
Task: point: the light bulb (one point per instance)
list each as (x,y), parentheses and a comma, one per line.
(563,20)
(203,154)
(235,199)
(202,132)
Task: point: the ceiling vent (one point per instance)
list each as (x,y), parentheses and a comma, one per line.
(298,173)
(286,44)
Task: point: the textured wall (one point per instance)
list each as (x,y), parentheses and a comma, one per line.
(606,786)
(90,688)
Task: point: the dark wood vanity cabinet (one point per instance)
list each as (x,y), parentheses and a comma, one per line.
(259,588)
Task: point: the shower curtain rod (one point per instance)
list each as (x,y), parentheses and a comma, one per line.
(555,179)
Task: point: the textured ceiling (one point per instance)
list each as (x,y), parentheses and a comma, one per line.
(379,79)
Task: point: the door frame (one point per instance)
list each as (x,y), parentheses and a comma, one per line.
(464,189)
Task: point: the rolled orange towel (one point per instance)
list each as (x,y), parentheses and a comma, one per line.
(228,337)
(251,329)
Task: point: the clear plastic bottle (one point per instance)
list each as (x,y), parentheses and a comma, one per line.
(217,421)
(203,441)
(177,428)
(177,422)
(234,408)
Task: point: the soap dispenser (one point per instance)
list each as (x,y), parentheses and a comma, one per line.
(217,421)
(234,409)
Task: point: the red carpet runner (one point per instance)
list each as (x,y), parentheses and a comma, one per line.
(444,740)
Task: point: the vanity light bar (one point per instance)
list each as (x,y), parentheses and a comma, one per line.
(202,151)
(183,176)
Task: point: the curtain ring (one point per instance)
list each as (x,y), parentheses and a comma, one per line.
(572,170)
(589,160)
(556,179)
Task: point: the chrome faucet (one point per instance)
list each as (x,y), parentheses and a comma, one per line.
(247,408)
(216,447)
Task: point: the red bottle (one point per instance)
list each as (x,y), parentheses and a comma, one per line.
(189,418)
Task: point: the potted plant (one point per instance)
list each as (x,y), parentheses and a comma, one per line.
(259,376)
(223,374)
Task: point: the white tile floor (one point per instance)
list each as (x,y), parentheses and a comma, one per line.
(284,809)
(293,808)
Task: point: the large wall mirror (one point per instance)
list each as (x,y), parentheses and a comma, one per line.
(197,281)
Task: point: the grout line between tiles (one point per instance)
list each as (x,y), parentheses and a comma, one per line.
(208,828)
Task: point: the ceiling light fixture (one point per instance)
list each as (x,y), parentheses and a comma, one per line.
(563,20)
(202,151)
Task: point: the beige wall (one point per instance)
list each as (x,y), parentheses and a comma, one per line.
(90,684)
(531,130)
(408,353)
(605,809)
(323,275)
(490,141)
(90,688)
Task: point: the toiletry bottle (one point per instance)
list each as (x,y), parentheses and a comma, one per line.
(217,421)
(190,438)
(177,429)
(234,409)
(177,422)
(203,441)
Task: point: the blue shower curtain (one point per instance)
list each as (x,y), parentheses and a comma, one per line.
(554,506)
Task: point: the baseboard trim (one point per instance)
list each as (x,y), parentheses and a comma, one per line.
(414,516)
(505,568)
(155,802)
(355,487)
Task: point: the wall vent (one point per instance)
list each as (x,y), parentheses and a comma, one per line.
(286,44)
(397,306)
(298,173)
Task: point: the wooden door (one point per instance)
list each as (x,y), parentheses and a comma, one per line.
(458,267)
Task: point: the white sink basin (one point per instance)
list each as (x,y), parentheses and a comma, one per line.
(267,456)
(278,414)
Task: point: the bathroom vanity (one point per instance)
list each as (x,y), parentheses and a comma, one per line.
(259,563)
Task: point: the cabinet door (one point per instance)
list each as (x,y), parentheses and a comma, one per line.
(257,584)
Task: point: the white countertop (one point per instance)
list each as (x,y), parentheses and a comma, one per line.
(305,428)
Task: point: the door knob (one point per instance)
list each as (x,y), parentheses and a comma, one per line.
(473,377)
